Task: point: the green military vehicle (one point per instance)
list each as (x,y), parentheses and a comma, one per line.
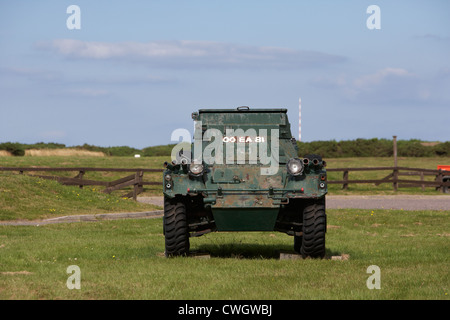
(243,173)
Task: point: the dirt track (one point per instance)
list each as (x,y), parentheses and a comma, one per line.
(405,202)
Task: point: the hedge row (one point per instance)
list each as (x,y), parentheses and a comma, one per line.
(329,149)
(18,149)
(373,148)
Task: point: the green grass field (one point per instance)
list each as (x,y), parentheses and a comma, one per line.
(124,260)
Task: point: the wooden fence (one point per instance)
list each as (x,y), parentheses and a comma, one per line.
(440,181)
(137,178)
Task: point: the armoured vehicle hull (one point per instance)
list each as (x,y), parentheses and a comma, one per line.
(243,173)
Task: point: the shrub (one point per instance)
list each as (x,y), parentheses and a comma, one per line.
(413,148)
(16,149)
(44,145)
(442,149)
(372,148)
(158,151)
(123,151)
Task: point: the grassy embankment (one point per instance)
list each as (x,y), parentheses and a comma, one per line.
(24,197)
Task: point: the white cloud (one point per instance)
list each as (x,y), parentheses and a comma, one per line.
(380,77)
(386,86)
(191,53)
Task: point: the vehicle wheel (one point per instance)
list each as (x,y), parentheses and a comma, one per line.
(446,189)
(314,228)
(175,228)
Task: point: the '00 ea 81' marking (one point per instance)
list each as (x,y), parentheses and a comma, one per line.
(243,139)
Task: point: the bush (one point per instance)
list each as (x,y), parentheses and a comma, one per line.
(366,148)
(372,148)
(442,149)
(44,145)
(122,151)
(413,148)
(16,149)
(158,151)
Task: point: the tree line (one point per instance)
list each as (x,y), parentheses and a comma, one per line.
(330,149)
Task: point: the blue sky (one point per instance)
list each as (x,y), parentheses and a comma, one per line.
(136,70)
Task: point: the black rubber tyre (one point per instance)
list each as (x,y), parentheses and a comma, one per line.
(446,189)
(175,228)
(314,229)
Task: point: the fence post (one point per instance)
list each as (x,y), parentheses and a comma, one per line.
(395,150)
(395,179)
(141,179)
(440,179)
(80,176)
(137,184)
(345,178)
(421,179)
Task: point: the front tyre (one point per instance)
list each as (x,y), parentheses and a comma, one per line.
(314,228)
(175,228)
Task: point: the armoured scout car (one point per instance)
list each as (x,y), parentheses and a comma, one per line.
(243,173)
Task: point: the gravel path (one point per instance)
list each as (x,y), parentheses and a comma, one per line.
(405,202)
(399,202)
(85,218)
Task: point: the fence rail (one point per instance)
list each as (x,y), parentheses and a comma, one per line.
(136,179)
(441,181)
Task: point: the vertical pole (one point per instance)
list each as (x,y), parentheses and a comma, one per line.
(422,179)
(395,177)
(80,176)
(440,178)
(299,119)
(395,151)
(345,178)
(137,187)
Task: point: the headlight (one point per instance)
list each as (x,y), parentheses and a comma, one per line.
(295,166)
(196,168)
